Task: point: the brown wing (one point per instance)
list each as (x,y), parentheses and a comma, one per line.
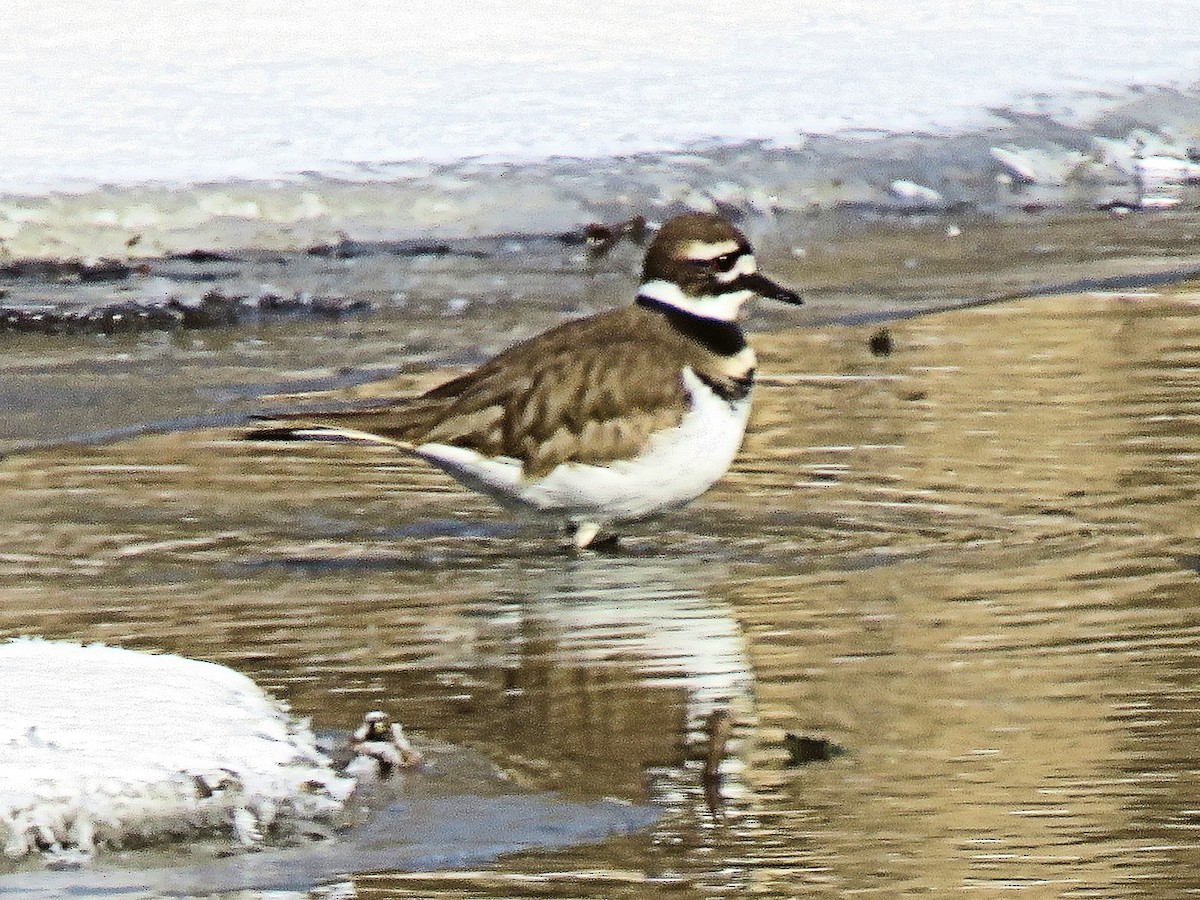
(592,391)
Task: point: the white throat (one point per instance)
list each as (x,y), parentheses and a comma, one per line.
(722,307)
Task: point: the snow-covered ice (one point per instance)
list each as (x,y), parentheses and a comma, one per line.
(151,127)
(188,90)
(102,746)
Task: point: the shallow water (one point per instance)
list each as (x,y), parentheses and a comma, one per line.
(971,563)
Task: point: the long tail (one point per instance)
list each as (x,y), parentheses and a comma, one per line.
(315,432)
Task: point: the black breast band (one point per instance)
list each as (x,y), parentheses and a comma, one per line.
(731,390)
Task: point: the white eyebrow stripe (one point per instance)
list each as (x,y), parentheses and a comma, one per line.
(745,265)
(705,250)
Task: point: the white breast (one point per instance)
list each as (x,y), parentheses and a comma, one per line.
(677,466)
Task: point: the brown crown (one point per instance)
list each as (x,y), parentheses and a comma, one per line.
(664,262)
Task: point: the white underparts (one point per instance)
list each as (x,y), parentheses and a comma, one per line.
(676,466)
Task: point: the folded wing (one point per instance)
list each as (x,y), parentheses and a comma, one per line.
(591,391)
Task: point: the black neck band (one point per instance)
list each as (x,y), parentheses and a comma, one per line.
(716,336)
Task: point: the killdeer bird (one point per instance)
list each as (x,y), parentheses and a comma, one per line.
(603,421)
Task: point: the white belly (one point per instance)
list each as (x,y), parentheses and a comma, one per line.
(677,466)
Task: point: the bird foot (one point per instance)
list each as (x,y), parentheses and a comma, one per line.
(587,537)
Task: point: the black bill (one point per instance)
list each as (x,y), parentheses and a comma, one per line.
(765,287)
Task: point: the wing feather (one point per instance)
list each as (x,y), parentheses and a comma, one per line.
(567,397)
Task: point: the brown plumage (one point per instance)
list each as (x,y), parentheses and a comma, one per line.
(564,398)
(603,421)
(662,262)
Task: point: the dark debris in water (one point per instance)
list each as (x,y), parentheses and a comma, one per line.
(214,310)
(880,343)
(67,271)
(601,238)
(202,256)
(115,319)
(804,749)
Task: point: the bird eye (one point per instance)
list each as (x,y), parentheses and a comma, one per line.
(726,261)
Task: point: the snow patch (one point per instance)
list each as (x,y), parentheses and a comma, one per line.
(107,747)
(157,90)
